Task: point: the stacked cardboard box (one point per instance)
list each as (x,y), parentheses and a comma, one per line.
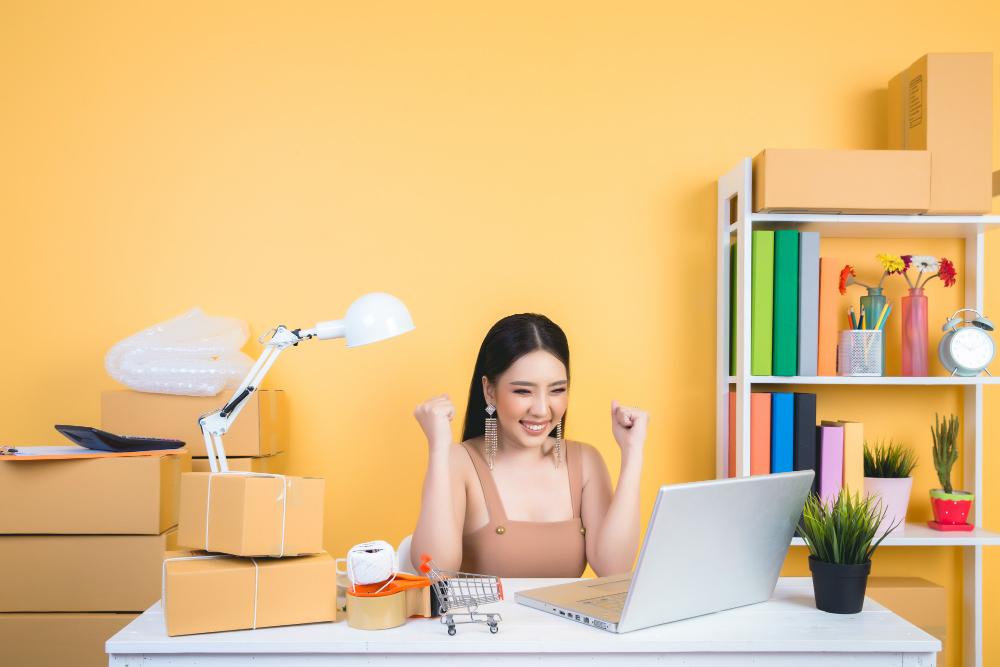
(82,545)
(939,159)
(253,444)
(267,565)
(943,104)
(919,601)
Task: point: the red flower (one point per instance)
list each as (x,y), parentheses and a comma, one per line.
(846,273)
(907,260)
(946,271)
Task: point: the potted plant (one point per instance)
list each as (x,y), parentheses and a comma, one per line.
(888,468)
(951,508)
(841,538)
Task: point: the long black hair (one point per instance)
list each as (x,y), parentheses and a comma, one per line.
(507,341)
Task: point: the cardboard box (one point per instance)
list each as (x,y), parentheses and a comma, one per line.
(216,594)
(45,640)
(841,181)
(82,572)
(919,601)
(260,430)
(944,103)
(271,465)
(251,515)
(132,495)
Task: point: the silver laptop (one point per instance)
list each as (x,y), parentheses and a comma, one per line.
(709,546)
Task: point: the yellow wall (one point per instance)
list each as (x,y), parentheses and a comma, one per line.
(273,161)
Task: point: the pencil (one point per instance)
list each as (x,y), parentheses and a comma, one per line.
(885,317)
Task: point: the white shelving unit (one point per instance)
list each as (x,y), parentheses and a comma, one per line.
(735,221)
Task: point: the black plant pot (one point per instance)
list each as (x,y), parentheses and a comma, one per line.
(839,589)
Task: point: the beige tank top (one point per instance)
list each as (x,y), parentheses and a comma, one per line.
(508,548)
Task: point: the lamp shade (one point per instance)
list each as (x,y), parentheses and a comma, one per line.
(374,317)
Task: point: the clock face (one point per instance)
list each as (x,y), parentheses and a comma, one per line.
(971,348)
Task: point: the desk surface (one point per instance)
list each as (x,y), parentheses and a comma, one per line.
(788,623)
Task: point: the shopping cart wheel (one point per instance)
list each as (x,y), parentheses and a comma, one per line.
(451,630)
(494,629)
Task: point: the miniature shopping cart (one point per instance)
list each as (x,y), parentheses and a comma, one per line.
(463,591)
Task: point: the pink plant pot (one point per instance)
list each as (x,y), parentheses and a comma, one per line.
(895,495)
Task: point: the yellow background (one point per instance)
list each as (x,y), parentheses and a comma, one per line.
(273,161)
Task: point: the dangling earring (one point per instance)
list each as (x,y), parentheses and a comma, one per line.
(558,446)
(491,435)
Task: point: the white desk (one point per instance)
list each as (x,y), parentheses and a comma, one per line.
(786,630)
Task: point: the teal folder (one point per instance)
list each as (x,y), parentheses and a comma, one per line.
(786,303)
(761,302)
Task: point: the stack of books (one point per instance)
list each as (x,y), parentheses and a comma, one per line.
(794,305)
(785,436)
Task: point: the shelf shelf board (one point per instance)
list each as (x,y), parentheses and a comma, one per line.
(920,535)
(934,381)
(879,226)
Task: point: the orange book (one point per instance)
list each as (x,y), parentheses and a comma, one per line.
(760,433)
(829,315)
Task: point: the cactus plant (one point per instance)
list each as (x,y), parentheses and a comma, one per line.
(945,450)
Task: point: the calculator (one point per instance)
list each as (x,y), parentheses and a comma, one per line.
(95,438)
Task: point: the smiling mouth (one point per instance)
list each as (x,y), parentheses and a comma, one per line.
(535,428)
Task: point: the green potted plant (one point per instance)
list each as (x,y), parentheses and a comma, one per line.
(888,475)
(841,538)
(951,508)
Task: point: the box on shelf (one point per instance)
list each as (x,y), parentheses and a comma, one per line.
(44,640)
(213,594)
(274,464)
(943,103)
(260,430)
(919,601)
(841,181)
(130,495)
(251,515)
(82,572)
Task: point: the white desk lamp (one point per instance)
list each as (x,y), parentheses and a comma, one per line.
(371,318)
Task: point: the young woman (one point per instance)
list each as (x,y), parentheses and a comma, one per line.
(515,499)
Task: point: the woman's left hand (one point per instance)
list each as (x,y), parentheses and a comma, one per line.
(629,427)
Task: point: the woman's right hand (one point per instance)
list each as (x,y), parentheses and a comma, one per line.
(434,416)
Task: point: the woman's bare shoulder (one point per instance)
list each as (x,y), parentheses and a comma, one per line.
(591,458)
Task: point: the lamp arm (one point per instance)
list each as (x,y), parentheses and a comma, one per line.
(215,424)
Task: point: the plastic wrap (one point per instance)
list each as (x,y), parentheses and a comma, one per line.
(194,354)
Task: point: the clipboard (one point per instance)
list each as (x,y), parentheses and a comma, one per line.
(70,452)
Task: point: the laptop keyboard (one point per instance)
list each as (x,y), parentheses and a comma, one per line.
(614,602)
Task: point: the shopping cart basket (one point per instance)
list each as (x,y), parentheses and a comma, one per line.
(464,592)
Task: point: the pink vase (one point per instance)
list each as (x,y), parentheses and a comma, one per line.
(914,331)
(895,495)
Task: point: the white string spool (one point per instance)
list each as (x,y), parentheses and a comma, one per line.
(371,563)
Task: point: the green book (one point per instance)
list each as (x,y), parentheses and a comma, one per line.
(761,302)
(732,309)
(786,303)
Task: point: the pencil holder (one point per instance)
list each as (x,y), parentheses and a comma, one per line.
(859,352)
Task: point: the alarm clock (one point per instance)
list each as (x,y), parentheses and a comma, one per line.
(966,348)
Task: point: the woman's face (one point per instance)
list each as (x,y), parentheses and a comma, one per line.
(530,398)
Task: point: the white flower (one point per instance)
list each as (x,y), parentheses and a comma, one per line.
(924,263)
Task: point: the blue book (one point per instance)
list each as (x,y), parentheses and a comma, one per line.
(782,431)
